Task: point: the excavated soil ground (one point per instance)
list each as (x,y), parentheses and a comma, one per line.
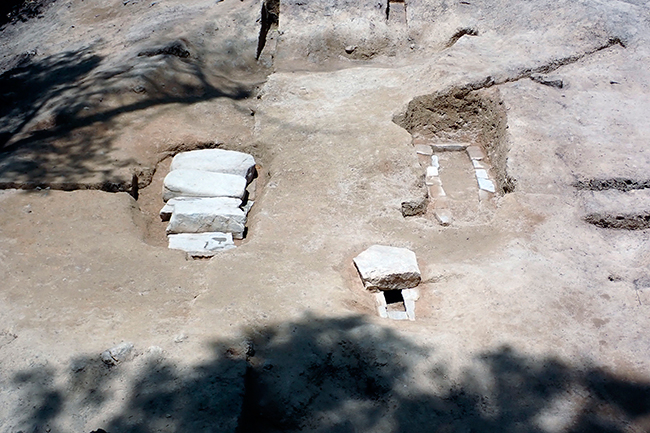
(530,317)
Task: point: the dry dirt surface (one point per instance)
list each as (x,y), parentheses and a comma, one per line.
(534,304)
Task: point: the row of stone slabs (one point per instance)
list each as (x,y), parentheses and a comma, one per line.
(207,201)
(428,158)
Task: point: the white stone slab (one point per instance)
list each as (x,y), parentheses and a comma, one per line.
(432,176)
(443,216)
(388,268)
(381,305)
(247,207)
(482,174)
(435,162)
(398,315)
(423,149)
(478,164)
(475,152)
(216,160)
(199,183)
(486,185)
(449,147)
(208,214)
(201,244)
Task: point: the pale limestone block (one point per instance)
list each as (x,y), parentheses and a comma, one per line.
(435,162)
(398,315)
(449,147)
(423,149)
(381,305)
(443,216)
(475,152)
(216,160)
(432,176)
(199,183)
(482,174)
(478,164)
(208,214)
(486,185)
(436,191)
(201,244)
(388,268)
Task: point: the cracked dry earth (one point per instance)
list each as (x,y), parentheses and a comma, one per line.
(534,306)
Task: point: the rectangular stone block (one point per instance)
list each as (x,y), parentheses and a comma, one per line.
(388,268)
(475,152)
(486,184)
(216,160)
(213,214)
(478,164)
(423,149)
(435,162)
(199,183)
(482,174)
(449,147)
(432,176)
(201,244)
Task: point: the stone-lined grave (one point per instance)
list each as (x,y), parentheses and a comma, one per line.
(427,154)
(207,201)
(392,273)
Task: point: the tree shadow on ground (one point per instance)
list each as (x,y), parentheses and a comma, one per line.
(330,375)
(58,114)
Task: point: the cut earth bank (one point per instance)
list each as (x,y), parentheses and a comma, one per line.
(530,318)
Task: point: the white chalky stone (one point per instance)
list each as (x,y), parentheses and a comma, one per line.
(216,160)
(213,214)
(432,175)
(482,174)
(388,268)
(478,164)
(443,216)
(423,149)
(475,152)
(486,185)
(199,183)
(201,244)
(449,147)
(434,161)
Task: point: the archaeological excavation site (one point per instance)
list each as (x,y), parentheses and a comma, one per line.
(265,216)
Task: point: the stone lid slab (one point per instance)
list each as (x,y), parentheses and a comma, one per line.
(199,183)
(216,160)
(388,268)
(207,214)
(201,244)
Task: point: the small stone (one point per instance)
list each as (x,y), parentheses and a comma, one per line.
(482,174)
(350,49)
(449,147)
(443,216)
(208,214)
(423,149)
(201,244)
(117,354)
(486,185)
(199,183)
(435,161)
(381,305)
(388,268)
(216,160)
(414,207)
(432,176)
(247,207)
(475,152)
(548,80)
